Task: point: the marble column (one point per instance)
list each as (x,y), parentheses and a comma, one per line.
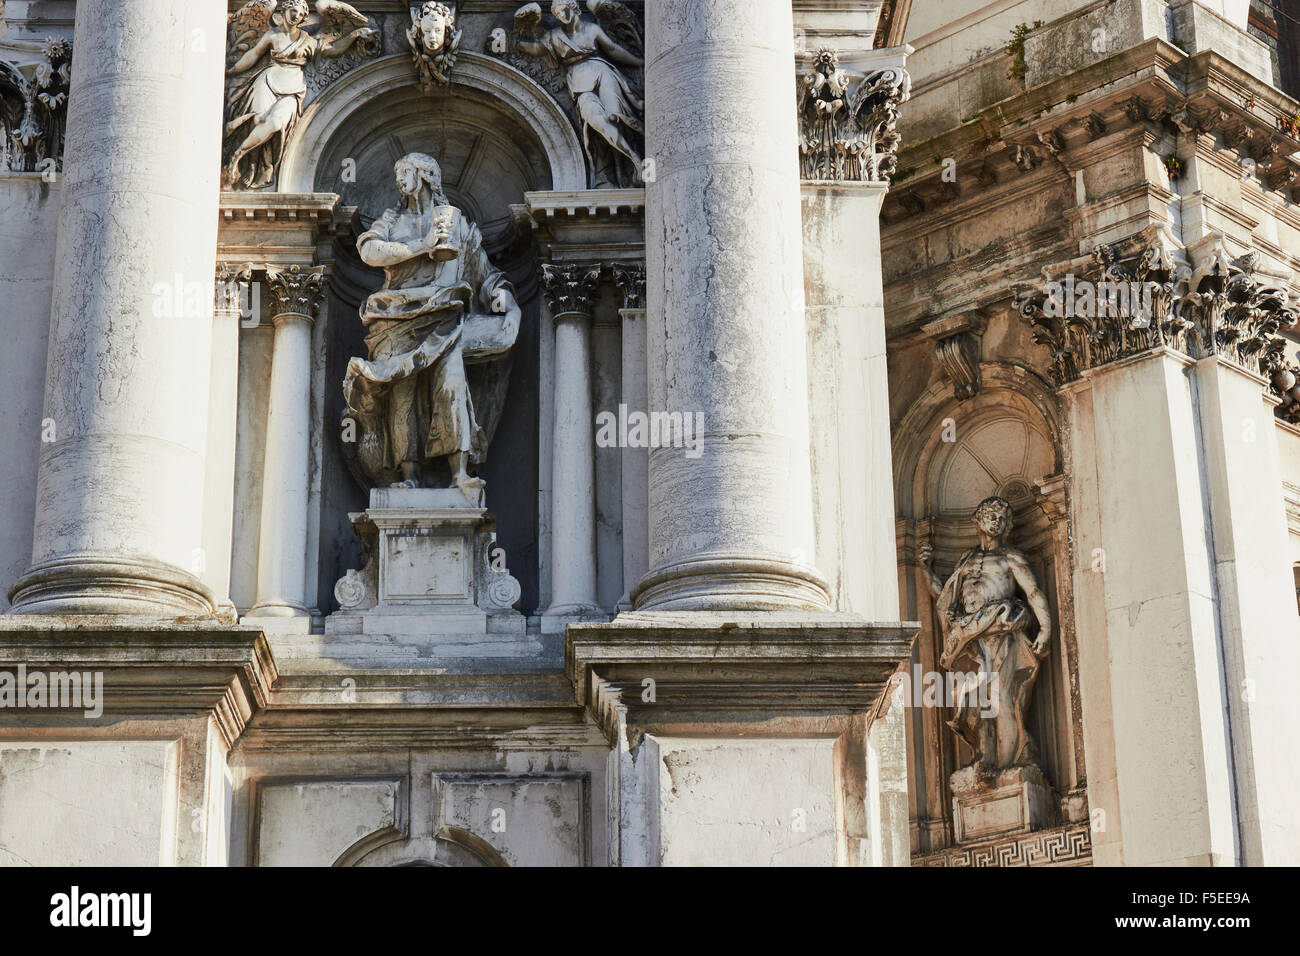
(119,506)
(636,488)
(295,295)
(571,293)
(730,519)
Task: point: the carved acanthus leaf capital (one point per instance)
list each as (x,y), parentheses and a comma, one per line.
(848,130)
(631,283)
(1143,294)
(571,288)
(33,110)
(295,290)
(227,290)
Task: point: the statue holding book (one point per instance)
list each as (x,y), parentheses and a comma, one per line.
(424,403)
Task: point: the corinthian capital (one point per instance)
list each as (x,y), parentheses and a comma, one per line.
(227,290)
(848,122)
(570,288)
(631,282)
(295,290)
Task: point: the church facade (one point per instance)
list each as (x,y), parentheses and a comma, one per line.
(690,432)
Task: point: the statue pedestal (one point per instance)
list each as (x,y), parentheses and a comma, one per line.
(1017,800)
(434,587)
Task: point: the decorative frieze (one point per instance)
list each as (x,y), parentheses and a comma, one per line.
(33,111)
(1065,846)
(571,287)
(849,130)
(434,41)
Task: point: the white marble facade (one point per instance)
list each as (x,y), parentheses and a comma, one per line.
(730,313)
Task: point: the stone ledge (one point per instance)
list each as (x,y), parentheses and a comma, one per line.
(710,667)
(152,667)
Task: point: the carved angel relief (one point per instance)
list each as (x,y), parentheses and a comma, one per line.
(435,41)
(847,132)
(268,48)
(589,53)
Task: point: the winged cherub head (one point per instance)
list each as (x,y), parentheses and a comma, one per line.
(434,20)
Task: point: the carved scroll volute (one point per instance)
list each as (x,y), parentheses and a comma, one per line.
(957,343)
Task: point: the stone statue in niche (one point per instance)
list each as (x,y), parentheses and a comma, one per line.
(986,629)
(993,643)
(612,114)
(432,389)
(434,43)
(268,47)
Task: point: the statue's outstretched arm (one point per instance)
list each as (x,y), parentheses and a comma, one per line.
(340,46)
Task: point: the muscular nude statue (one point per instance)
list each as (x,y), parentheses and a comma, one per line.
(986,626)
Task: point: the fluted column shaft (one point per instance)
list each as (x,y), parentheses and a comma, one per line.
(295,296)
(570,292)
(731,521)
(120,491)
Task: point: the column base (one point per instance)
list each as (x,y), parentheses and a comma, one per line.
(278,609)
(116,585)
(725,582)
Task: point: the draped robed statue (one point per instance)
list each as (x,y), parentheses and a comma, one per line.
(997,628)
(431,388)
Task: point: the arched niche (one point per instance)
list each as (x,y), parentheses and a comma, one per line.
(950,455)
(496,135)
(358,116)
